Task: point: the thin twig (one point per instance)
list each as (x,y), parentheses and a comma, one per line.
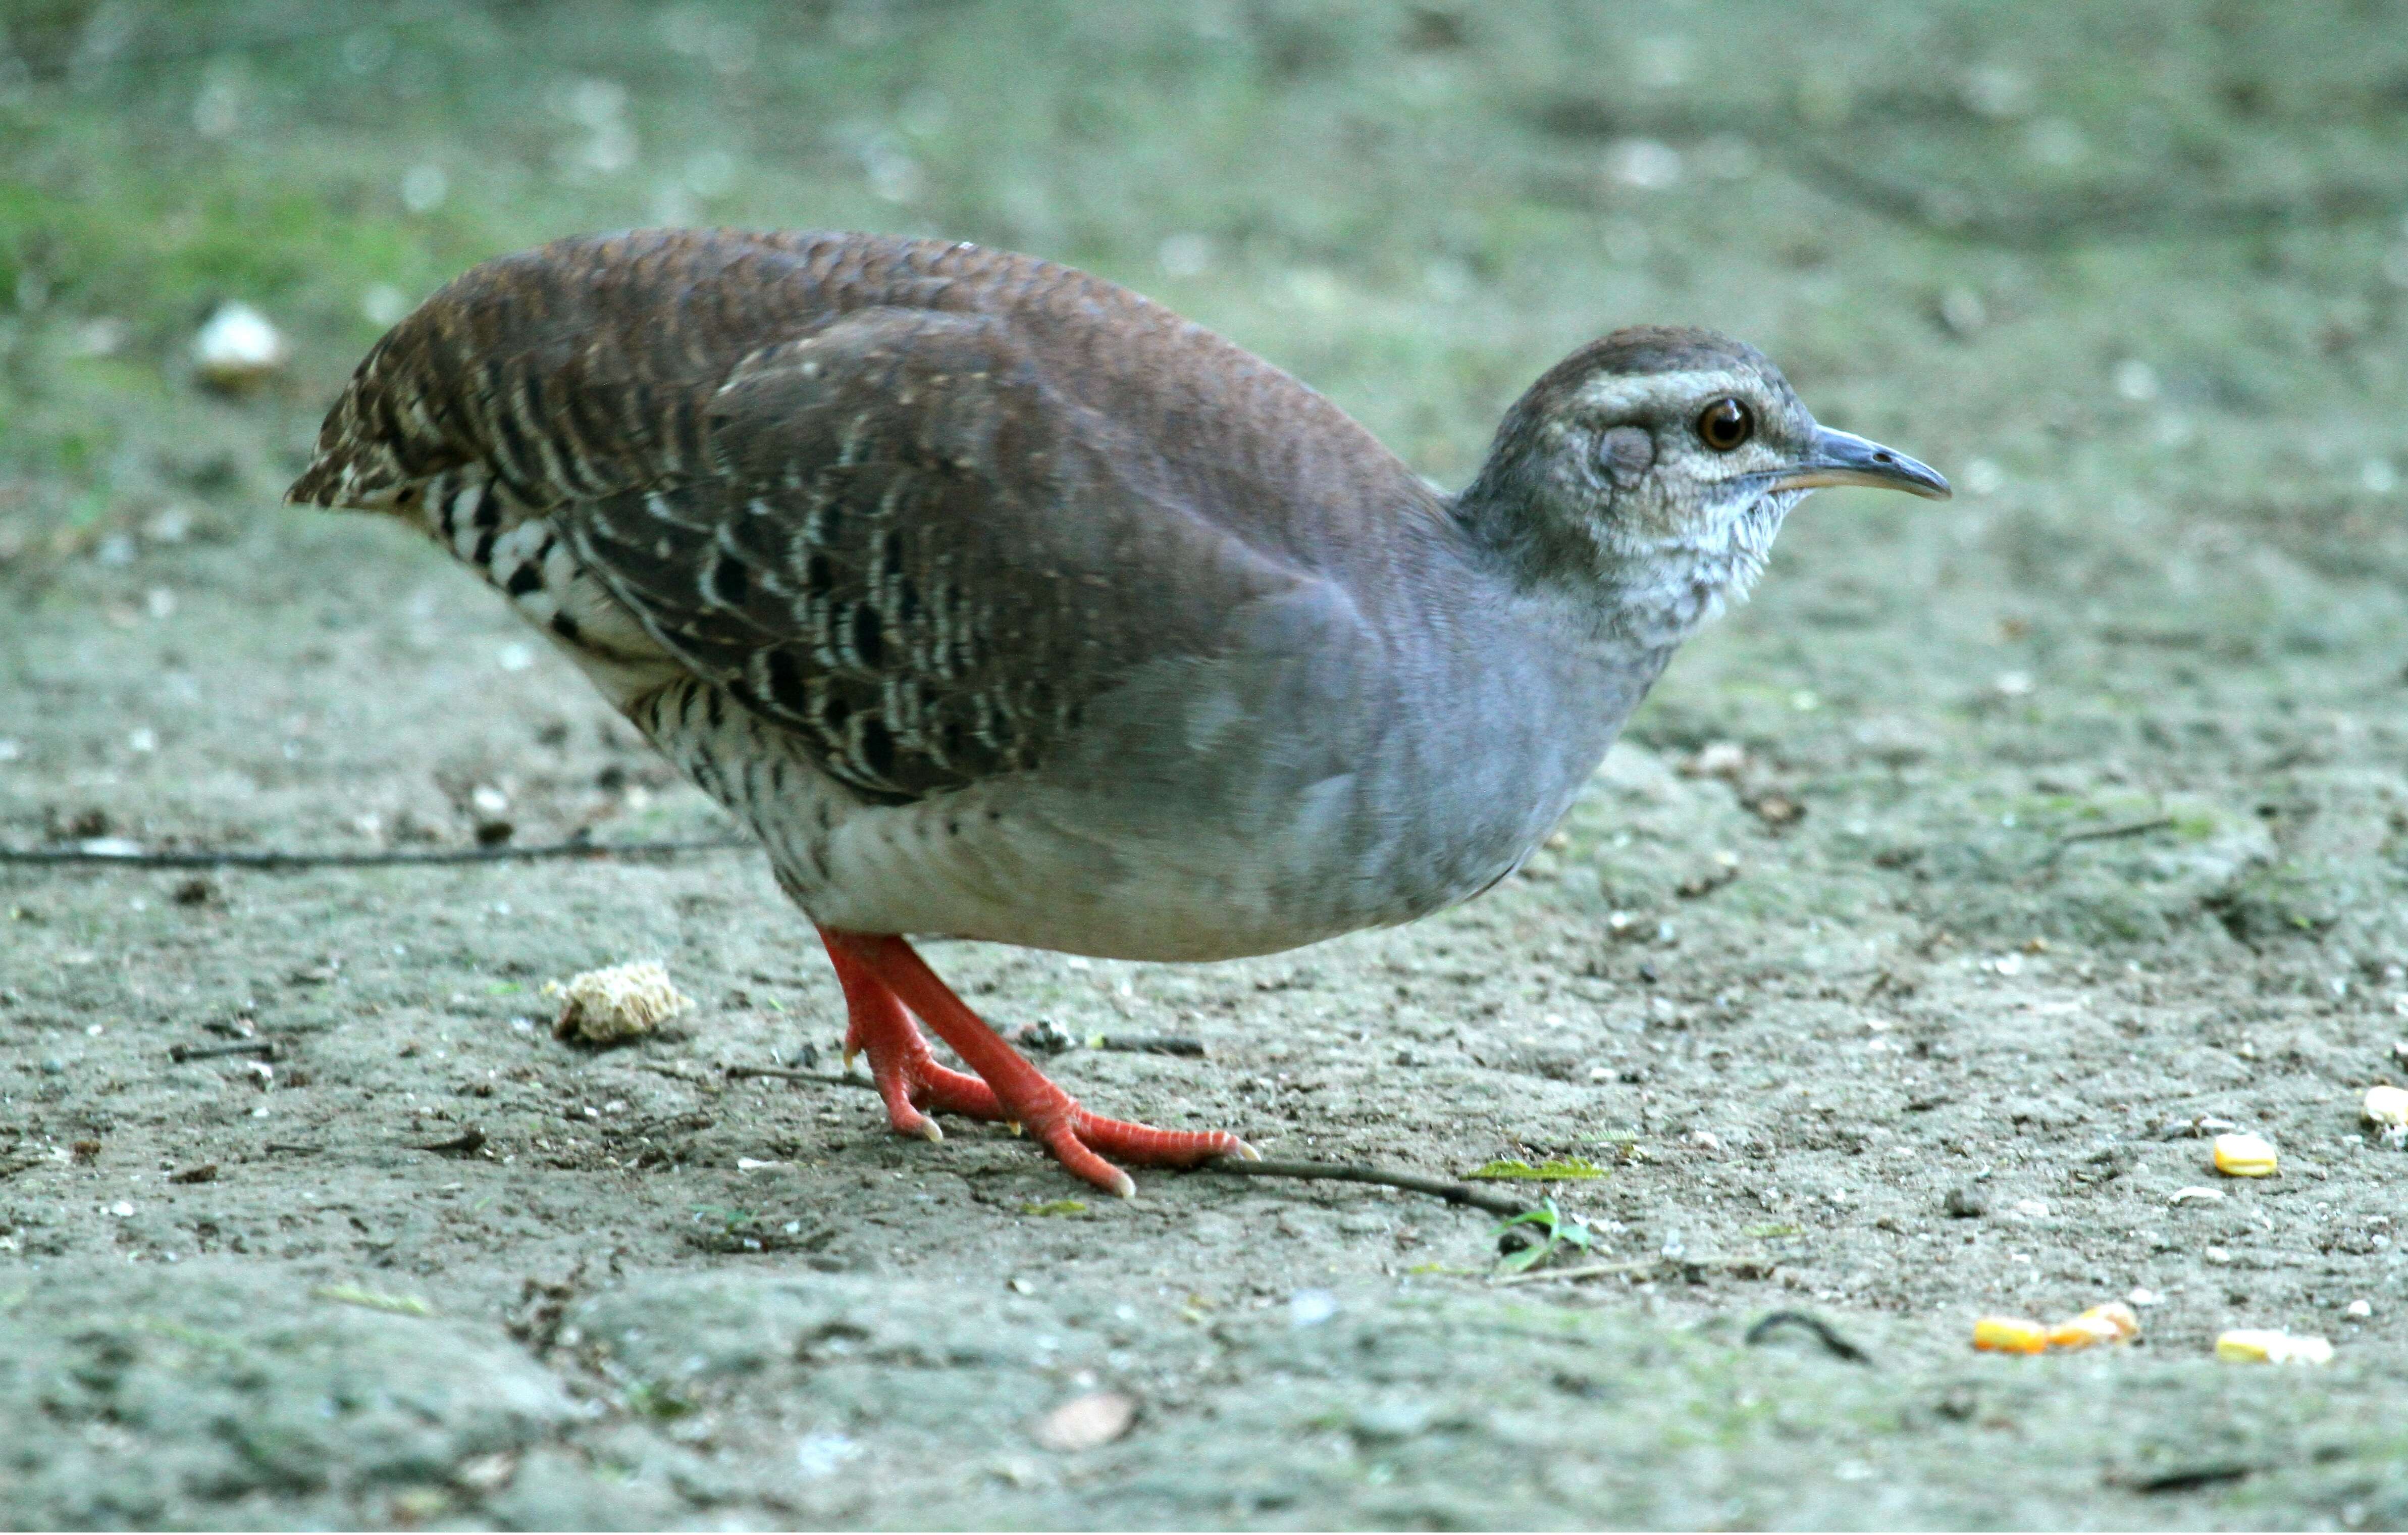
(2189,1478)
(1586,1270)
(2131,828)
(263,1048)
(1351,1172)
(2046,862)
(787,1073)
(1150,1044)
(1052,1039)
(272,859)
(1633,1266)
(1824,1333)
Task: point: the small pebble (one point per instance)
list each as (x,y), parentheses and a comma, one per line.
(2387,1108)
(237,349)
(1967,1202)
(1389,1420)
(1310,1308)
(822,1454)
(1085,1422)
(1717,759)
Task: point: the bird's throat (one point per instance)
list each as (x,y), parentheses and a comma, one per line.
(1657,591)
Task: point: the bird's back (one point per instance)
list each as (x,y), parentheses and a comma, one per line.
(587,366)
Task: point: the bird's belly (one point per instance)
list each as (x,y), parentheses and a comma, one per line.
(1023,861)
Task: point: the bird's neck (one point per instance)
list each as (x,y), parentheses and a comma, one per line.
(1640,589)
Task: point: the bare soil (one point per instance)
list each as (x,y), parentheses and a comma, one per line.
(1888,972)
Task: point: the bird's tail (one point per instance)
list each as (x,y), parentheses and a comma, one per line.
(380,438)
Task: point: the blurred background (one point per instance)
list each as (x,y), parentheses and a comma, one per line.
(2133,276)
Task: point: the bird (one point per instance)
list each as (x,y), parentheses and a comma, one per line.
(1003,603)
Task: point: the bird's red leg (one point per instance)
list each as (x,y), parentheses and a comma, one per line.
(907,1075)
(1019,1091)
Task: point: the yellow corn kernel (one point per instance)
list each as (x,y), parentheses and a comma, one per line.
(2008,1335)
(2244,1157)
(2112,1323)
(2079,1333)
(2271,1346)
(2387,1106)
(2116,1314)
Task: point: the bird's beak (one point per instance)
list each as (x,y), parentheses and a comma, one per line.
(1843,458)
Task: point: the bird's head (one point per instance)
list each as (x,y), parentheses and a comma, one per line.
(1657,465)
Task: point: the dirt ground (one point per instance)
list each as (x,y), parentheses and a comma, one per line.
(1887,972)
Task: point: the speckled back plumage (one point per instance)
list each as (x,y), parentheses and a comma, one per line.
(801,463)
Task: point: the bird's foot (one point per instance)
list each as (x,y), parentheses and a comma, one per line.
(882,974)
(910,1080)
(1080,1141)
(908,1076)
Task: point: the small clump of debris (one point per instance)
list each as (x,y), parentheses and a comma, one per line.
(616,1003)
(239,350)
(2387,1108)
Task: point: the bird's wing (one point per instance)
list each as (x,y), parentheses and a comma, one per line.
(584,367)
(919,504)
(911,552)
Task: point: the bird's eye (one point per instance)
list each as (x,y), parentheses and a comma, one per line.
(1725,424)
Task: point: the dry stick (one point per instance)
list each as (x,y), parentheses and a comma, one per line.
(2047,861)
(2131,828)
(783,1073)
(1586,1270)
(1633,1266)
(1333,1172)
(1150,1044)
(1351,1172)
(368,860)
(1823,1331)
(179,1054)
